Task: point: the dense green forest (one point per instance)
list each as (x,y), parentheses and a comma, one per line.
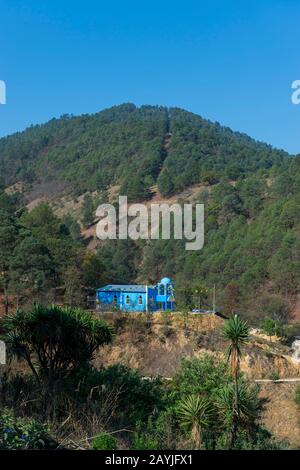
(251,196)
(126,145)
(251,241)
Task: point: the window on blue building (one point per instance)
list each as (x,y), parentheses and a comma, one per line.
(161,289)
(140,301)
(115,300)
(127,300)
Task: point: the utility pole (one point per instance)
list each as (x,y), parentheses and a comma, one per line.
(147,298)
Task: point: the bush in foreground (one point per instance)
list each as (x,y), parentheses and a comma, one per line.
(21,434)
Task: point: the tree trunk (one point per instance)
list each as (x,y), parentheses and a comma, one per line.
(196,436)
(235,410)
(233,433)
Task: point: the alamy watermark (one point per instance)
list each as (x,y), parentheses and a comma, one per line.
(2,353)
(296,94)
(2,92)
(158,221)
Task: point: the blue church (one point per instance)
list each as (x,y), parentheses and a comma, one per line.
(137,298)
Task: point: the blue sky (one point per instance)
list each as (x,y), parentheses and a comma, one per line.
(230,61)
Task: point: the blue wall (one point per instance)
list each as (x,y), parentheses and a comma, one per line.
(127,299)
(119,300)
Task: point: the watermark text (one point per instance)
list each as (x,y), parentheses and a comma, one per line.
(296,93)
(2,92)
(159,221)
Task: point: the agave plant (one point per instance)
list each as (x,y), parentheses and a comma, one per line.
(249,404)
(54,340)
(194,413)
(236,331)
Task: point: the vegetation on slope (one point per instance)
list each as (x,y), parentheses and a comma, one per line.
(82,406)
(251,254)
(127,145)
(251,198)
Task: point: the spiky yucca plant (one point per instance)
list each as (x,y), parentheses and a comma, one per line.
(54,340)
(249,404)
(236,331)
(194,413)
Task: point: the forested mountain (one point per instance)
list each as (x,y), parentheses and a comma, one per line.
(134,147)
(251,194)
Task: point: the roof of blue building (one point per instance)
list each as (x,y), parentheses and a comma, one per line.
(124,288)
(165,280)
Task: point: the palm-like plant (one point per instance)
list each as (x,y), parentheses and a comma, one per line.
(236,331)
(194,413)
(250,405)
(54,340)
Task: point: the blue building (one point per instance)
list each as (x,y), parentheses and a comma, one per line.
(137,298)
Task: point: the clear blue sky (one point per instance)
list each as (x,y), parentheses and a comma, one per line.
(231,61)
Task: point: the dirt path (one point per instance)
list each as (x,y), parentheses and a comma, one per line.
(278,381)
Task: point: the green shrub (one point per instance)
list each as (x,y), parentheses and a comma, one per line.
(54,340)
(274,375)
(260,440)
(137,399)
(203,376)
(272,327)
(20,434)
(104,442)
(144,442)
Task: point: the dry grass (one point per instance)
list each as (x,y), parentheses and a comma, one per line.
(281,416)
(160,349)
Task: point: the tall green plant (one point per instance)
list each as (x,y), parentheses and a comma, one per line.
(236,331)
(194,413)
(250,405)
(53,340)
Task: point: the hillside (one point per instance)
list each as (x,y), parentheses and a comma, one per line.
(161,350)
(130,146)
(54,176)
(250,191)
